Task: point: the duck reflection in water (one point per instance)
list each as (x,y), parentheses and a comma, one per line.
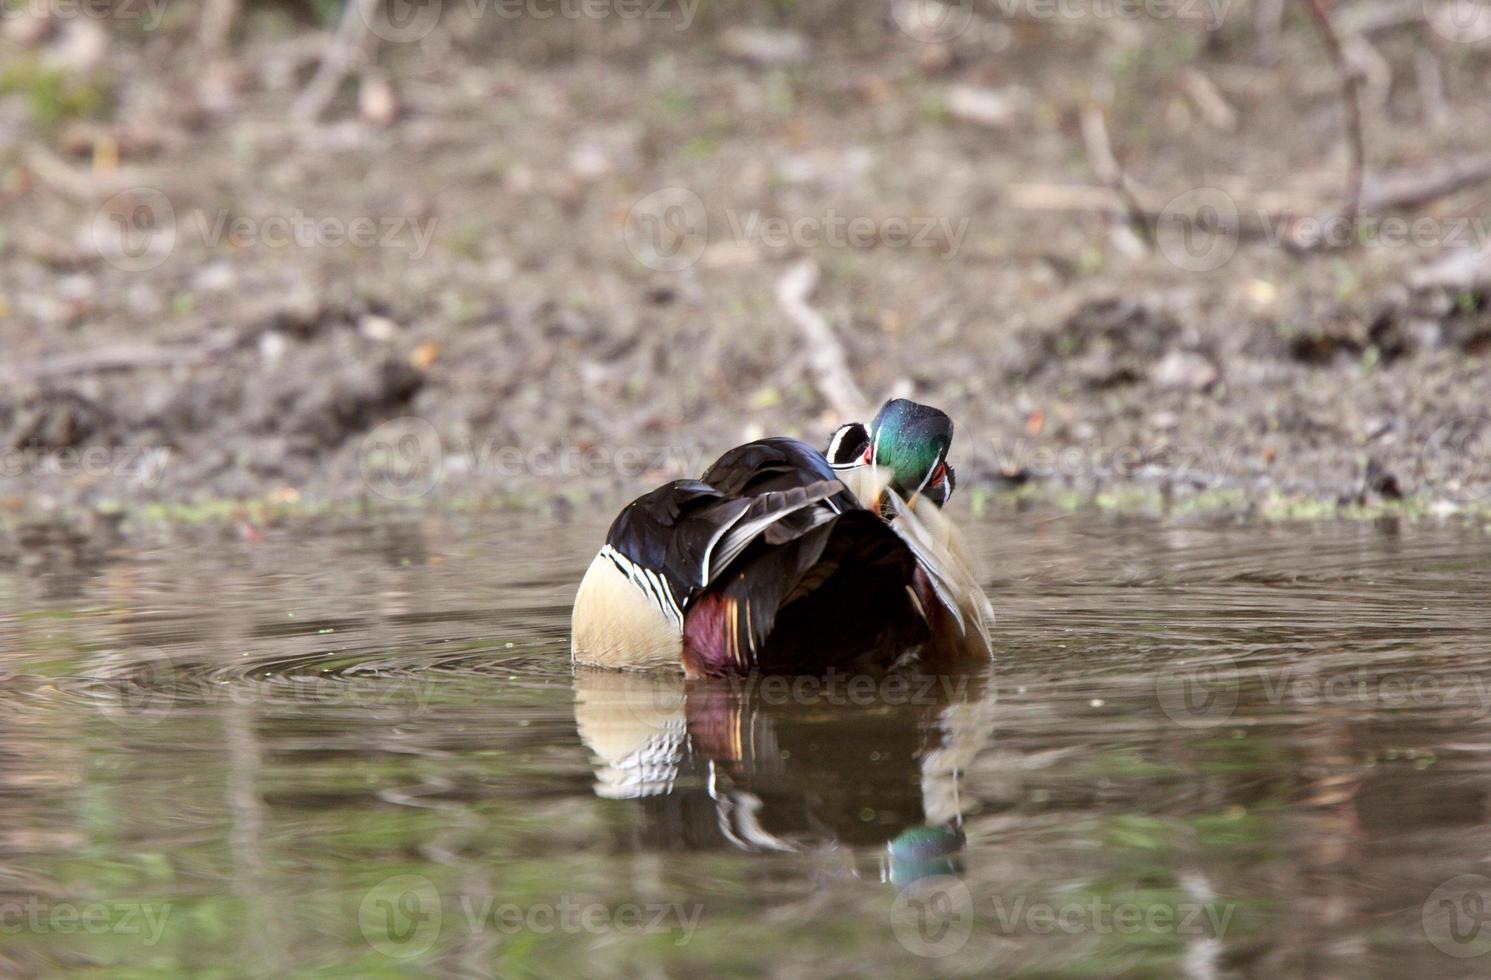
(792,764)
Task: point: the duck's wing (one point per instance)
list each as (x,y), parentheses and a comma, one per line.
(941,553)
(939,548)
(670,545)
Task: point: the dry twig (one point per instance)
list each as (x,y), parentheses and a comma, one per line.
(353,42)
(827,360)
(1106,167)
(1351,104)
(1410,188)
(218,18)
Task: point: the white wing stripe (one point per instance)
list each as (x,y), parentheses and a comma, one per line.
(652,585)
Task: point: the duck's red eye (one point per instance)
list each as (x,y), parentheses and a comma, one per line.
(866,456)
(938,475)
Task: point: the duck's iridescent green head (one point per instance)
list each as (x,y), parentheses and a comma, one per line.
(923,851)
(910,440)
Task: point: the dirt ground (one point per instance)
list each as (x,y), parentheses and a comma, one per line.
(532,253)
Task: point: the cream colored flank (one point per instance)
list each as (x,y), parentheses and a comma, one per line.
(615,626)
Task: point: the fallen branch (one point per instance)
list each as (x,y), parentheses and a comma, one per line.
(1268,25)
(1107,169)
(1351,105)
(105,361)
(1411,188)
(75,183)
(266,317)
(1397,190)
(218,19)
(1430,82)
(827,361)
(352,43)
(1213,105)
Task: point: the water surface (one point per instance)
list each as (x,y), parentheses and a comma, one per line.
(359,749)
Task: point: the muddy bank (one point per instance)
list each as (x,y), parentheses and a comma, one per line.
(535,261)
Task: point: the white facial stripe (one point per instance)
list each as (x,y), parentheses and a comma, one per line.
(836,446)
(837,442)
(933,469)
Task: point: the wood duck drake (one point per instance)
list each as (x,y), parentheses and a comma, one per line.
(784,560)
